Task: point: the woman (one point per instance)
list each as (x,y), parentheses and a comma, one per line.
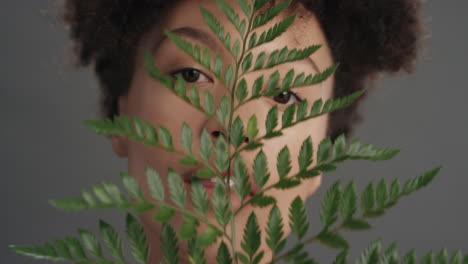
(366,37)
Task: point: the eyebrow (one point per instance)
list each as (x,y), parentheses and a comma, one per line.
(208,40)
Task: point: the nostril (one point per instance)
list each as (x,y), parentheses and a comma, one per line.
(246,140)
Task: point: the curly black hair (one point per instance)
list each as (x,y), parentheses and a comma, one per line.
(366,37)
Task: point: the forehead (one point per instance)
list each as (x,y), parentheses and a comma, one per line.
(304,32)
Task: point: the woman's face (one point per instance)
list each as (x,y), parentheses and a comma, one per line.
(150,101)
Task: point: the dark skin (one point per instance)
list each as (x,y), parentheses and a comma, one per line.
(367,37)
(113,36)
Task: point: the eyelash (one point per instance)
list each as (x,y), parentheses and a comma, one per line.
(173,74)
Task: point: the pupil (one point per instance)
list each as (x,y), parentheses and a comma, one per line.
(283,97)
(191,75)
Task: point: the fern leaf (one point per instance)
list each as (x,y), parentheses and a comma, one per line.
(305,154)
(137,239)
(271,120)
(333,240)
(155,184)
(223,256)
(223,110)
(237,132)
(275,31)
(371,253)
(330,205)
(324,150)
(91,244)
(39,253)
(111,240)
(188,230)
(260,168)
(251,239)
(221,160)
(368,199)
(199,198)
(283,164)
(298,220)
(232,16)
(242,186)
(278,57)
(169,247)
(205,146)
(288,116)
(252,127)
(176,188)
(220,204)
(131,185)
(208,237)
(261,20)
(274,231)
(216,28)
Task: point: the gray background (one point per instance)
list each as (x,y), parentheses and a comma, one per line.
(47,152)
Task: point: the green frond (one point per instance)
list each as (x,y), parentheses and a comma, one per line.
(252,127)
(91,243)
(232,16)
(261,200)
(348,202)
(306,154)
(275,31)
(272,120)
(221,154)
(223,256)
(371,253)
(341,258)
(220,204)
(260,168)
(199,197)
(196,254)
(261,20)
(176,188)
(242,186)
(333,240)
(208,237)
(153,71)
(283,163)
(137,239)
(246,8)
(251,239)
(164,214)
(216,28)
(288,116)
(223,110)
(188,230)
(278,57)
(368,199)
(155,184)
(111,240)
(409,258)
(241,91)
(206,146)
(169,246)
(419,182)
(39,253)
(274,231)
(258,4)
(237,132)
(131,185)
(330,205)
(298,220)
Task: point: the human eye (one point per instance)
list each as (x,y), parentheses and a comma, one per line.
(191,75)
(287,98)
